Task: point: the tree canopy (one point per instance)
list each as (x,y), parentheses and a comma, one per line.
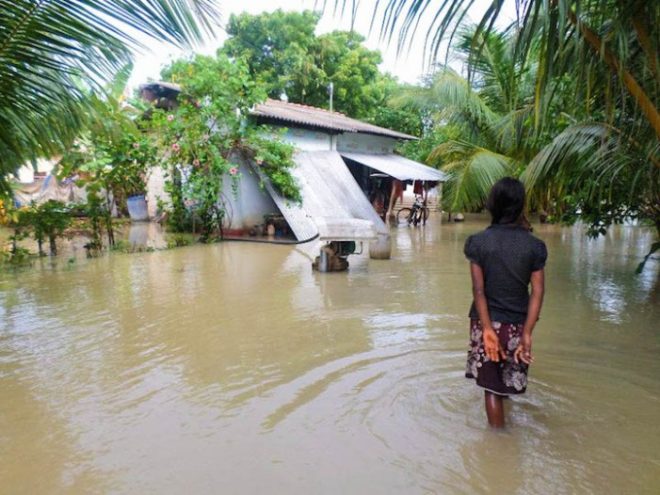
(283,53)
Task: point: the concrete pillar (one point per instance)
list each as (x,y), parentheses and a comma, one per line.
(156,190)
(381,248)
(324,261)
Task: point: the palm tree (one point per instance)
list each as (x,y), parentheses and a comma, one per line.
(595,96)
(488,116)
(592,40)
(52,52)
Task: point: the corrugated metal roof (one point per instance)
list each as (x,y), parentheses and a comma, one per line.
(397,166)
(317,117)
(332,200)
(286,112)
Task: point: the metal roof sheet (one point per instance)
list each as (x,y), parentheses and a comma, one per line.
(295,113)
(317,117)
(332,200)
(397,166)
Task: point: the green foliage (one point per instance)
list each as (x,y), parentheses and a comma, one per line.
(589,171)
(284,55)
(125,247)
(595,173)
(52,52)
(353,70)
(179,240)
(573,88)
(472,173)
(279,50)
(15,255)
(275,159)
(421,150)
(390,112)
(207,135)
(607,47)
(467,138)
(99,211)
(115,150)
(48,221)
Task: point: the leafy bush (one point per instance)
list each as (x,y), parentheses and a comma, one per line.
(206,133)
(48,220)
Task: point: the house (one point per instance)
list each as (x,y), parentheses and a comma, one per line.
(338,161)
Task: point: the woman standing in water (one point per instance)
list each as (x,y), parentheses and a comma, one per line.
(504,259)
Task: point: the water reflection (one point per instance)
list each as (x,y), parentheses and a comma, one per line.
(146,235)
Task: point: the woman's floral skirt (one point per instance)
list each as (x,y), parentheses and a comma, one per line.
(503,378)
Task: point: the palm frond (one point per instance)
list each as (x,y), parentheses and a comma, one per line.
(596,157)
(447,95)
(612,39)
(472,171)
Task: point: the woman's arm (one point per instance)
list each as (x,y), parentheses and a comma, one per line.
(492,345)
(524,350)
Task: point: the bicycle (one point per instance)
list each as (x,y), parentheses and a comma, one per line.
(419,213)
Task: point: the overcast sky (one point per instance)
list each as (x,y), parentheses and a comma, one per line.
(408,66)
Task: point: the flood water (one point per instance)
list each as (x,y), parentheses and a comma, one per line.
(233,368)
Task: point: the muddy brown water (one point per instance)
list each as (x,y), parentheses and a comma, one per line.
(232,368)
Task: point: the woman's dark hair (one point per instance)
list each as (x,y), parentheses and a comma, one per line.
(506,201)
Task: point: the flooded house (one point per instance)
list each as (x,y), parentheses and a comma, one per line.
(341,165)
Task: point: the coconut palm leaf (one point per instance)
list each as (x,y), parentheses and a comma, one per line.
(471,171)
(611,171)
(513,134)
(616,35)
(594,149)
(53,51)
(446,96)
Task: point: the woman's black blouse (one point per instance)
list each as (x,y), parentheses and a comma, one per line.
(507,254)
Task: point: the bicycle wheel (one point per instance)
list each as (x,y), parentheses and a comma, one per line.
(403,216)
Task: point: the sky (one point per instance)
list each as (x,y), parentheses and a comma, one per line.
(408,66)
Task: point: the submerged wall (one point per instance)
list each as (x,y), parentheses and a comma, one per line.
(247,207)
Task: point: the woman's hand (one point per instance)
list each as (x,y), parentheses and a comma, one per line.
(523,352)
(492,346)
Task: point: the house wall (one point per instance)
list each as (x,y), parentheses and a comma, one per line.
(306,140)
(365,143)
(248,207)
(245,209)
(252,202)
